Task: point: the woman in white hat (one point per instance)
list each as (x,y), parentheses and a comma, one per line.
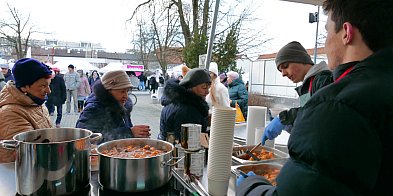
(218,95)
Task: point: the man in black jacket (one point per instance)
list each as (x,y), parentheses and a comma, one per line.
(295,63)
(57,97)
(341,142)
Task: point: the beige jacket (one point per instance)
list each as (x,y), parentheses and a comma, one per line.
(18,113)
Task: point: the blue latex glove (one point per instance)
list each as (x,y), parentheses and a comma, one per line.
(272,130)
(241,178)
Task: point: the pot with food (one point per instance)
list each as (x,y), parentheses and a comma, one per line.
(135,164)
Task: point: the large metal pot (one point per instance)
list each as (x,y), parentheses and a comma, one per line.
(135,174)
(52,161)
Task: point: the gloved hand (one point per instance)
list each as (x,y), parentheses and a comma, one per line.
(272,130)
(241,178)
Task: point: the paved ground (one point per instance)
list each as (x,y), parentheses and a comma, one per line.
(145,112)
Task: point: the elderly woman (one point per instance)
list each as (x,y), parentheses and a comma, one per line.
(237,92)
(107,109)
(218,95)
(184,102)
(21,102)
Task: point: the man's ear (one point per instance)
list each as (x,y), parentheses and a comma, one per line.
(24,89)
(348,33)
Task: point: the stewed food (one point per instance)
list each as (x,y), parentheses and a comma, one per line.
(132,151)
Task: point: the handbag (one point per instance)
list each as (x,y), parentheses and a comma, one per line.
(239,114)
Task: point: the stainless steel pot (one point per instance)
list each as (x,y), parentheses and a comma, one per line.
(52,161)
(135,174)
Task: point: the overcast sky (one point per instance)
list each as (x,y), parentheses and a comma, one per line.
(104,22)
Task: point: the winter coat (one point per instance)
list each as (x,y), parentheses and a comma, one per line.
(19,114)
(58,94)
(72,80)
(84,88)
(238,93)
(2,82)
(341,142)
(9,76)
(92,81)
(104,114)
(221,94)
(320,76)
(181,106)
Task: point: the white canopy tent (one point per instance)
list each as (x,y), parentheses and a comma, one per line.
(112,66)
(79,65)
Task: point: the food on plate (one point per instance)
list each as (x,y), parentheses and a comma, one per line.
(270,174)
(132,151)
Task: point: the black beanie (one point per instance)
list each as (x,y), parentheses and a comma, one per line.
(195,77)
(28,70)
(293,52)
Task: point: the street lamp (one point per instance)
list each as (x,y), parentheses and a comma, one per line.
(314,17)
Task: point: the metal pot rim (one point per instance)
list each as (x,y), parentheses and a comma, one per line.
(54,129)
(130,139)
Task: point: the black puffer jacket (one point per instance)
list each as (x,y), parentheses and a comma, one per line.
(341,142)
(103,114)
(181,106)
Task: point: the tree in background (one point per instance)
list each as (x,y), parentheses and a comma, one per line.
(17,32)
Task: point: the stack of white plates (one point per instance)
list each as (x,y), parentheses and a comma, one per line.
(220,150)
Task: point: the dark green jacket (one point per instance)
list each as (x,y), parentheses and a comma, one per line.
(341,142)
(238,93)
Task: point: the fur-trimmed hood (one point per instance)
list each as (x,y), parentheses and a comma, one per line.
(174,93)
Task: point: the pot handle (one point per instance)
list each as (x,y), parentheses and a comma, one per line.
(9,144)
(168,163)
(95,138)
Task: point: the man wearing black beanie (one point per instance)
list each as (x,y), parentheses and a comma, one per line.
(295,63)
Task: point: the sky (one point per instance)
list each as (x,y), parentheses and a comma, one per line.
(104,22)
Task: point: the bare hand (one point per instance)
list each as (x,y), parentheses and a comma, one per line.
(141,131)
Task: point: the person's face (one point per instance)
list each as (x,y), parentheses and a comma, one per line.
(4,70)
(333,44)
(229,80)
(39,88)
(95,74)
(120,95)
(294,71)
(212,76)
(201,90)
(70,69)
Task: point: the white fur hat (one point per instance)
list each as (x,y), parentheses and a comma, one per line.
(213,68)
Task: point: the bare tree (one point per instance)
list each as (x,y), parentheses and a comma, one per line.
(17,32)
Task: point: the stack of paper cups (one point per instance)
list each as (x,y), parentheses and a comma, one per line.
(256,117)
(220,150)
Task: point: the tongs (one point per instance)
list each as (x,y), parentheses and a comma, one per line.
(249,152)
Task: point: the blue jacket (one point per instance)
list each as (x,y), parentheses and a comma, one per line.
(103,114)
(9,76)
(181,106)
(238,93)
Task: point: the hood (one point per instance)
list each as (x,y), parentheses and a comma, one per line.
(174,93)
(11,95)
(315,69)
(236,82)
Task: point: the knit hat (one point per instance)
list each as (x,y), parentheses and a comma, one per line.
(28,70)
(213,68)
(293,52)
(195,77)
(117,79)
(4,65)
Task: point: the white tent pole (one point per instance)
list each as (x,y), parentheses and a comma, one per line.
(211,38)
